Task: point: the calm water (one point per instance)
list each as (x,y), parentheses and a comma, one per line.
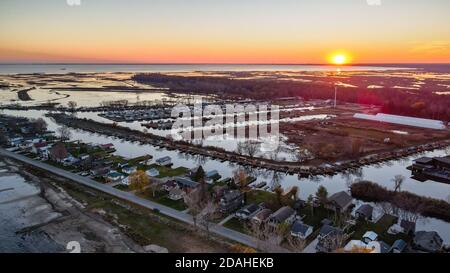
(66,68)
(381,174)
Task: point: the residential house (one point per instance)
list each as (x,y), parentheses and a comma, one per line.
(185,183)
(102,171)
(15,141)
(262,216)
(42,149)
(129,170)
(371,247)
(402,226)
(219,191)
(231,201)
(248,211)
(329,239)
(125,181)
(428,241)
(115,177)
(36,148)
(301,230)
(164,161)
(152,172)
(283,215)
(339,202)
(365,212)
(369,236)
(212,175)
(108,146)
(169,185)
(408,227)
(176,194)
(399,246)
(84,157)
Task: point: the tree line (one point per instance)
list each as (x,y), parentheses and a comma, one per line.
(424,104)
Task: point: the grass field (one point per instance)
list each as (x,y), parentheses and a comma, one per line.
(236,224)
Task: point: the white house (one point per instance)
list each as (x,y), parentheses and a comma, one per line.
(129,170)
(369,236)
(125,181)
(115,176)
(152,172)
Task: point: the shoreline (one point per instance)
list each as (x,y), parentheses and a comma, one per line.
(222,155)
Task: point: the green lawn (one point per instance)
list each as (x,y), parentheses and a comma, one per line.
(169,172)
(163,199)
(122,187)
(237,225)
(257,196)
(178,205)
(314,218)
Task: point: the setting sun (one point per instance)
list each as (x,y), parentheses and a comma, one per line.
(339,59)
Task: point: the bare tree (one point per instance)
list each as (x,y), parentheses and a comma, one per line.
(72,105)
(193,201)
(251,147)
(297,245)
(64,133)
(154,187)
(240,148)
(335,242)
(58,152)
(207,214)
(40,126)
(411,216)
(267,238)
(302,155)
(398,181)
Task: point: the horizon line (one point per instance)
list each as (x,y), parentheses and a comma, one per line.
(219,63)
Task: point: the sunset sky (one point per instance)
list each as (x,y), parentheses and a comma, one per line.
(224,31)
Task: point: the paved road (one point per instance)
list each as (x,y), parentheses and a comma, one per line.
(130,197)
(311,248)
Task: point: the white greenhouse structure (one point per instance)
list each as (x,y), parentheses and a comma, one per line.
(403,120)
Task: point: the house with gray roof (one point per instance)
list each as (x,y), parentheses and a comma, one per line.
(231,201)
(301,230)
(428,241)
(328,238)
(283,215)
(399,246)
(248,211)
(339,202)
(365,212)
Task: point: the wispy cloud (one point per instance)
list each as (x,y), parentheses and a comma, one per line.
(431,47)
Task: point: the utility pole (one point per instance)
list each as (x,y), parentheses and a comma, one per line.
(335,96)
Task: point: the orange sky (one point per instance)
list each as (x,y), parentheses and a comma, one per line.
(248,31)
